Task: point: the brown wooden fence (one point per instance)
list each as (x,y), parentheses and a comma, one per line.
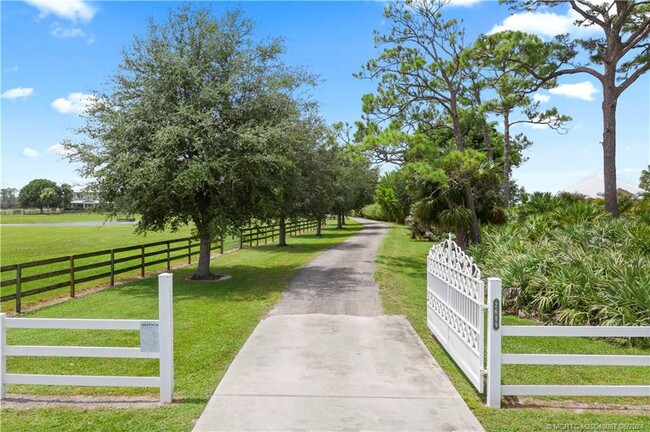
(35,277)
(254,235)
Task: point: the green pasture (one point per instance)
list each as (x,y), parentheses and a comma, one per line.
(30,243)
(401,274)
(212,320)
(51,218)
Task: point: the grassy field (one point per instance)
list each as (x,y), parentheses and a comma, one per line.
(51,218)
(211,323)
(31,243)
(21,244)
(402,277)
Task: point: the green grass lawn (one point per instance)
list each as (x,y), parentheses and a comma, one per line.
(211,323)
(401,273)
(31,243)
(51,218)
(22,244)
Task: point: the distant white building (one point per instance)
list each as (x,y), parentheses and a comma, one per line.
(594,187)
(84,200)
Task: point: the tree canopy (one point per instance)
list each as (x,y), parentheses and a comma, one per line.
(190,126)
(617,58)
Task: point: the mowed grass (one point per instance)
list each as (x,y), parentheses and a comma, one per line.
(211,323)
(22,244)
(401,273)
(31,243)
(51,218)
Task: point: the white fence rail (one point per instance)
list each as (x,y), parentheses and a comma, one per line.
(156,341)
(455,316)
(455,296)
(495,358)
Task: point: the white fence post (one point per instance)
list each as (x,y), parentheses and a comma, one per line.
(166,336)
(3,361)
(494,343)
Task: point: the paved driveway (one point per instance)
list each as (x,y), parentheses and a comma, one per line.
(327,359)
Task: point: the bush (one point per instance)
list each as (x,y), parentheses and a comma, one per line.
(375,212)
(571,264)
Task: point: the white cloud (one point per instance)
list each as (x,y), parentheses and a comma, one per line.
(73,10)
(12,69)
(584,90)
(75,103)
(58,149)
(547,24)
(66,33)
(30,153)
(545,125)
(60,32)
(18,92)
(463,3)
(541,98)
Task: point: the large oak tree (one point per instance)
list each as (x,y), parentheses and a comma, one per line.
(188,127)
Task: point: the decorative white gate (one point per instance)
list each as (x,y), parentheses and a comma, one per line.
(455,305)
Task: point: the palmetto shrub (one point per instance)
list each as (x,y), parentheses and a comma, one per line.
(569,263)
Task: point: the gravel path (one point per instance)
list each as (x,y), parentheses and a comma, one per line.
(341,281)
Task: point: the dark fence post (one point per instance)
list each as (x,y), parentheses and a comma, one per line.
(112,267)
(169,264)
(71,276)
(19,271)
(142,261)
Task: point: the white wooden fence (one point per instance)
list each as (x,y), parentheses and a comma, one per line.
(455,316)
(156,341)
(496,358)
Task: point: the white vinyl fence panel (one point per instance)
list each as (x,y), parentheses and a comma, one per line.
(496,358)
(156,341)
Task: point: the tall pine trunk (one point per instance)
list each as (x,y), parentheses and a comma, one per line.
(318,227)
(475,229)
(282,235)
(506,159)
(339,223)
(609,142)
(487,139)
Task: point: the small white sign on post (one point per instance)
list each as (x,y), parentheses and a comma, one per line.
(149,336)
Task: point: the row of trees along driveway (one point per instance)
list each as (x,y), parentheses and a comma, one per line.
(203,122)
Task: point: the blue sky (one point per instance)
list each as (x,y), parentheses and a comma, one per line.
(55,52)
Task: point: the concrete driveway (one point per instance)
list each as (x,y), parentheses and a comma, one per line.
(328,359)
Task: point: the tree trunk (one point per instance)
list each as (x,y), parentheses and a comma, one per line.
(487,139)
(282,235)
(609,142)
(475,228)
(203,268)
(339,224)
(318,227)
(461,237)
(506,160)
(342,218)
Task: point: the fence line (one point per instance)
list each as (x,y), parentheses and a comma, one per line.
(164,252)
(496,358)
(156,341)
